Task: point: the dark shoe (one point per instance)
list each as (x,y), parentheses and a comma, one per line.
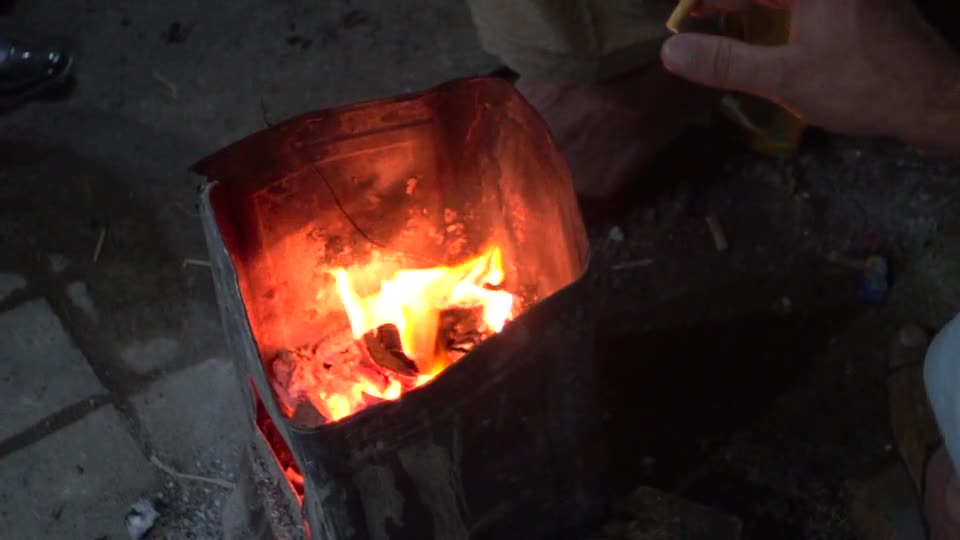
(29,70)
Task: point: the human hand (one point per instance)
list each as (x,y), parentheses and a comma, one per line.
(858,67)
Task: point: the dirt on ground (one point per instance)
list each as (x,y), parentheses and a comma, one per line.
(758,373)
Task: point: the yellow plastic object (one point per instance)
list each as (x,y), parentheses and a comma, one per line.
(680,14)
(767,127)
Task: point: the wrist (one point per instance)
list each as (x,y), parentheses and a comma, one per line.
(935,124)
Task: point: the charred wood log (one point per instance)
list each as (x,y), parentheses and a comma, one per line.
(384,347)
(461,330)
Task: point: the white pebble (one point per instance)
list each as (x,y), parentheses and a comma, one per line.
(141,518)
(616,235)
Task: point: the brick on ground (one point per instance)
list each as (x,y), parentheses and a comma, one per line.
(41,371)
(78,482)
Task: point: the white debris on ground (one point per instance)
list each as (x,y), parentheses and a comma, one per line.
(616,235)
(141,518)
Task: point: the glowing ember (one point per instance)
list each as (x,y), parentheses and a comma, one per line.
(413,326)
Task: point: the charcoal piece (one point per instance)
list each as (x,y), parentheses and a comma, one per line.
(462,319)
(465,343)
(454,355)
(383,346)
(283,366)
(461,329)
(457,322)
(389,337)
(307,416)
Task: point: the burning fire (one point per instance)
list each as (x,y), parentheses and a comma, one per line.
(411,306)
(413,299)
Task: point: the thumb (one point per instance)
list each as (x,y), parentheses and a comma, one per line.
(726,63)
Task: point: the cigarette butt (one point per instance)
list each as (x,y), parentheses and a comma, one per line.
(680,14)
(717,232)
(196,262)
(99,248)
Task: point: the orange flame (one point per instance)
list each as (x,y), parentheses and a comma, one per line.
(412,301)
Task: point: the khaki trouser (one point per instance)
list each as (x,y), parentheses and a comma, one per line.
(572,40)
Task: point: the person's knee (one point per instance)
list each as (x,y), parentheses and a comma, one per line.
(941,370)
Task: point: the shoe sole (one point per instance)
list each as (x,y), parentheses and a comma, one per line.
(12,102)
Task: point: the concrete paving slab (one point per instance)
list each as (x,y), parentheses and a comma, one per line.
(196,425)
(138,287)
(179,328)
(76,484)
(10,283)
(144,356)
(41,371)
(162,319)
(194,419)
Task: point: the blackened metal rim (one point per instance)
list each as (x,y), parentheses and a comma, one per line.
(261,446)
(250,347)
(202,167)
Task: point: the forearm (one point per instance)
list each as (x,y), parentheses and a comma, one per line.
(936,127)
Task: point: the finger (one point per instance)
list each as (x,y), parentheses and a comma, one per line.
(727,63)
(710,7)
(706,11)
(725,5)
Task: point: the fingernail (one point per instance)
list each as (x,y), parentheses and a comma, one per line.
(678,53)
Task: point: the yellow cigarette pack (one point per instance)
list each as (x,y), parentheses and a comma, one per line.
(766,127)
